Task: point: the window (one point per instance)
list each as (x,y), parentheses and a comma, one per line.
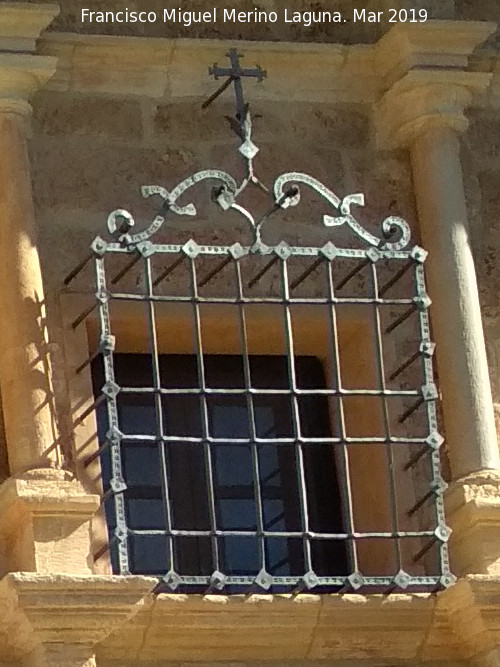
(266,413)
(245,485)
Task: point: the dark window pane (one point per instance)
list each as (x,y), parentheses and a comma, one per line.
(193,556)
(233,465)
(239,555)
(187,486)
(284,556)
(136,414)
(148,554)
(182,416)
(146,514)
(184,466)
(236,514)
(141,465)
(228,417)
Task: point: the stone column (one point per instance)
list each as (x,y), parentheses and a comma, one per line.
(25,374)
(462,363)
(424,112)
(44,511)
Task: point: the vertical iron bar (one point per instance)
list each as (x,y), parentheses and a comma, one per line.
(428,373)
(153,341)
(386,417)
(348,508)
(113,422)
(251,414)
(204,415)
(299,455)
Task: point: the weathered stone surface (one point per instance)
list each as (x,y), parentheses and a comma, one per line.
(486,10)
(488,268)
(98,176)
(64,114)
(484,137)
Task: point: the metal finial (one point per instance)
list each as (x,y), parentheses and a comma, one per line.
(234,75)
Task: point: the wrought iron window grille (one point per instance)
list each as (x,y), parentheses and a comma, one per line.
(389,532)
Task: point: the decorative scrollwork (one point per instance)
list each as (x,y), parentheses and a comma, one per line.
(286,194)
(343,206)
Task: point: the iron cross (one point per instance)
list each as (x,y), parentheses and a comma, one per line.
(234,74)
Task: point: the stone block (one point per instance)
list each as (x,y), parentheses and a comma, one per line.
(63,114)
(484,137)
(186,124)
(99,176)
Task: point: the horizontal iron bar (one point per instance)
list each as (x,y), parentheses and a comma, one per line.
(106,547)
(260,300)
(425,549)
(420,502)
(96,454)
(269,392)
(141,437)
(286,534)
(295,251)
(415,459)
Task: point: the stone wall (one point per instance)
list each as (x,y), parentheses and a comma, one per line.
(482,176)
(90,155)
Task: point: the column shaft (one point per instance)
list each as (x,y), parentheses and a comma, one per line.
(25,376)
(456,315)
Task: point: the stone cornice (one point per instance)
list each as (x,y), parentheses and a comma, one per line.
(426,98)
(21,24)
(44,493)
(21,72)
(64,609)
(174,70)
(113,613)
(435,43)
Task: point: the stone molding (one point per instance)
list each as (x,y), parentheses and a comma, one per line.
(111,615)
(435,43)
(54,610)
(473,513)
(21,24)
(44,522)
(21,72)
(176,69)
(426,98)
(21,76)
